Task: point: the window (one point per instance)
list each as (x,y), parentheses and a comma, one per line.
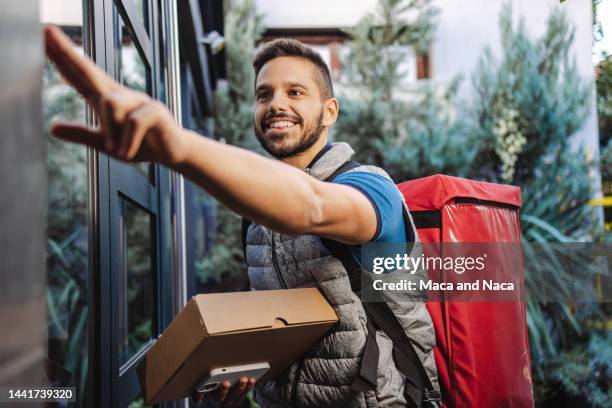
(138,241)
(68,227)
(131,67)
(110,289)
(113,240)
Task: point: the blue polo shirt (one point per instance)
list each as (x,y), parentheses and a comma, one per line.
(387,203)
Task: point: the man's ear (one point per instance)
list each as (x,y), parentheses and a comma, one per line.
(330,111)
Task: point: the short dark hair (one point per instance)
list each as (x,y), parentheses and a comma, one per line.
(288,47)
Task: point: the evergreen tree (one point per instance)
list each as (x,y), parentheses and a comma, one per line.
(528,103)
(604,100)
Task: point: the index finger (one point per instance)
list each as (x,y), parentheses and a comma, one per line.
(89,80)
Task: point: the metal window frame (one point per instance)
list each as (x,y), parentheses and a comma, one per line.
(99,308)
(142,40)
(171,36)
(109,182)
(110,383)
(193,51)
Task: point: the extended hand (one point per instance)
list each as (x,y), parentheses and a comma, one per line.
(133,126)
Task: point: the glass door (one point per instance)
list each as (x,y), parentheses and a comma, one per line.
(136,230)
(111,240)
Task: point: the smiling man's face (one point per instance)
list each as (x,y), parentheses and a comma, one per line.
(289,110)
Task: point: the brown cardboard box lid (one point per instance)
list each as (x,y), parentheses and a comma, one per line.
(169,368)
(239,311)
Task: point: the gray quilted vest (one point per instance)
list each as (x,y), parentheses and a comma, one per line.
(325,375)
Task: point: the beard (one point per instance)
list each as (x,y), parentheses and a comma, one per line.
(303,142)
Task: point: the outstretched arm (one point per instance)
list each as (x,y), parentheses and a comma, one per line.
(134,127)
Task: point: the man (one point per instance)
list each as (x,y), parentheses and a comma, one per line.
(293,207)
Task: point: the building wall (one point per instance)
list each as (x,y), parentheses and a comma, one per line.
(312,13)
(23,197)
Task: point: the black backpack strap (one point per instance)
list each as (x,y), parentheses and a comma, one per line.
(347,166)
(418,387)
(246,223)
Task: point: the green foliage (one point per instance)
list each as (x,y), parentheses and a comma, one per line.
(537,80)
(410,139)
(234,103)
(598,33)
(604,100)
(243,30)
(558,193)
(606,161)
(67,265)
(587,372)
(224,269)
(530,101)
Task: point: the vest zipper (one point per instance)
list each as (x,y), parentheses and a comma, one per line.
(279,276)
(295,384)
(284,285)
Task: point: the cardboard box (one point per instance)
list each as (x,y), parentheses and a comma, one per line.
(226,329)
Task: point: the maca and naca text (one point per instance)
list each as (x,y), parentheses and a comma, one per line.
(429,285)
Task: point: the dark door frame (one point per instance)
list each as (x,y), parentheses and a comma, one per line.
(114,384)
(111,182)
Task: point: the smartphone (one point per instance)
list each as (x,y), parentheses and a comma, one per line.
(233,374)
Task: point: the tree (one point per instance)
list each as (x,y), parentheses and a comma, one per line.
(604,100)
(529,103)
(224,269)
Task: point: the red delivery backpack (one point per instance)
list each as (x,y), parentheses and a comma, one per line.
(482,350)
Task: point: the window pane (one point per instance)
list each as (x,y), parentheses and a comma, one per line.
(142,9)
(137,284)
(133,73)
(67,227)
